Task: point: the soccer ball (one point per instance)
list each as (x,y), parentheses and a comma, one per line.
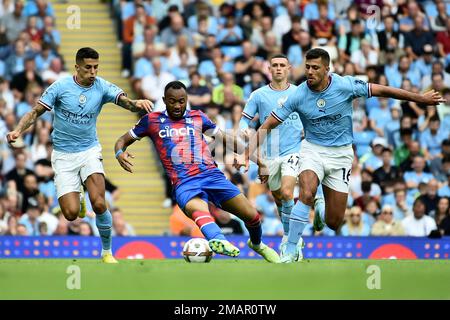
(197,250)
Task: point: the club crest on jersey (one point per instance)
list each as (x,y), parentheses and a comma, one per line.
(281,101)
(189,120)
(320,103)
(82,99)
(162,120)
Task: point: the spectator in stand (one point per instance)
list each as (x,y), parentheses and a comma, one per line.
(170,34)
(443,41)
(152,85)
(373,160)
(416,39)
(417,176)
(44,58)
(405,70)
(21,80)
(283,21)
(355,226)
(133,31)
(14,22)
(120,226)
(392,127)
(387,173)
(432,138)
(418,224)
(230,38)
(386,225)
(351,42)
(31,218)
(437,67)
(51,36)
(199,95)
(364,57)
(176,51)
(228,93)
(431,198)
(298,24)
(414,150)
(55,71)
(401,207)
(19,172)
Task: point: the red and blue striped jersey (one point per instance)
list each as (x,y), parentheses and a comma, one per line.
(180,144)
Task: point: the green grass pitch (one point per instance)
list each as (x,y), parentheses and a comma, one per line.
(224,279)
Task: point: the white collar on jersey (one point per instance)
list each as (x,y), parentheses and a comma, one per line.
(287,87)
(329,84)
(79,84)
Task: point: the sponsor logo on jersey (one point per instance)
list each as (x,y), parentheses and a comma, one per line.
(168,132)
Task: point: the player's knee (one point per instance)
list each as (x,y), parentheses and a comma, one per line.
(70,215)
(307,197)
(99,206)
(286,194)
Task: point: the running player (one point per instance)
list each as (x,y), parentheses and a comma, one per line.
(76,158)
(324,103)
(177,134)
(281,155)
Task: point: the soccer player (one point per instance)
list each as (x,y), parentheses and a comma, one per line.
(178,137)
(282,154)
(324,103)
(77,101)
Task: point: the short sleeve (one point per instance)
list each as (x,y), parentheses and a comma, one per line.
(111,92)
(251,107)
(287,107)
(48,98)
(359,87)
(141,128)
(208,127)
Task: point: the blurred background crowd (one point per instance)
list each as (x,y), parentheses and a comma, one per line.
(400,181)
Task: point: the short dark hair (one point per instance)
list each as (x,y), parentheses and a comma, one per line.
(318,53)
(86,53)
(435,118)
(278,55)
(174,85)
(366,186)
(406,132)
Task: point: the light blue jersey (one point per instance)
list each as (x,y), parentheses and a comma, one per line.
(76,110)
(326,115)
(263,101)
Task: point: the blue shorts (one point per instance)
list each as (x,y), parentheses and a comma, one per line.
(210,186)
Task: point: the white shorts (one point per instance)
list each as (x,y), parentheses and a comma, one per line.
(333,165)
(283,166)
(73,168)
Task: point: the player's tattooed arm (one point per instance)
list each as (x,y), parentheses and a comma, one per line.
(27,121)
(429,98)
(135,105)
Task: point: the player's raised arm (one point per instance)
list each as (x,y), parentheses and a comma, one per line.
(27,121)
(429,98)
(135,105)
(123,156)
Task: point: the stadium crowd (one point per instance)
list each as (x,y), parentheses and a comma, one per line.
(400,181)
